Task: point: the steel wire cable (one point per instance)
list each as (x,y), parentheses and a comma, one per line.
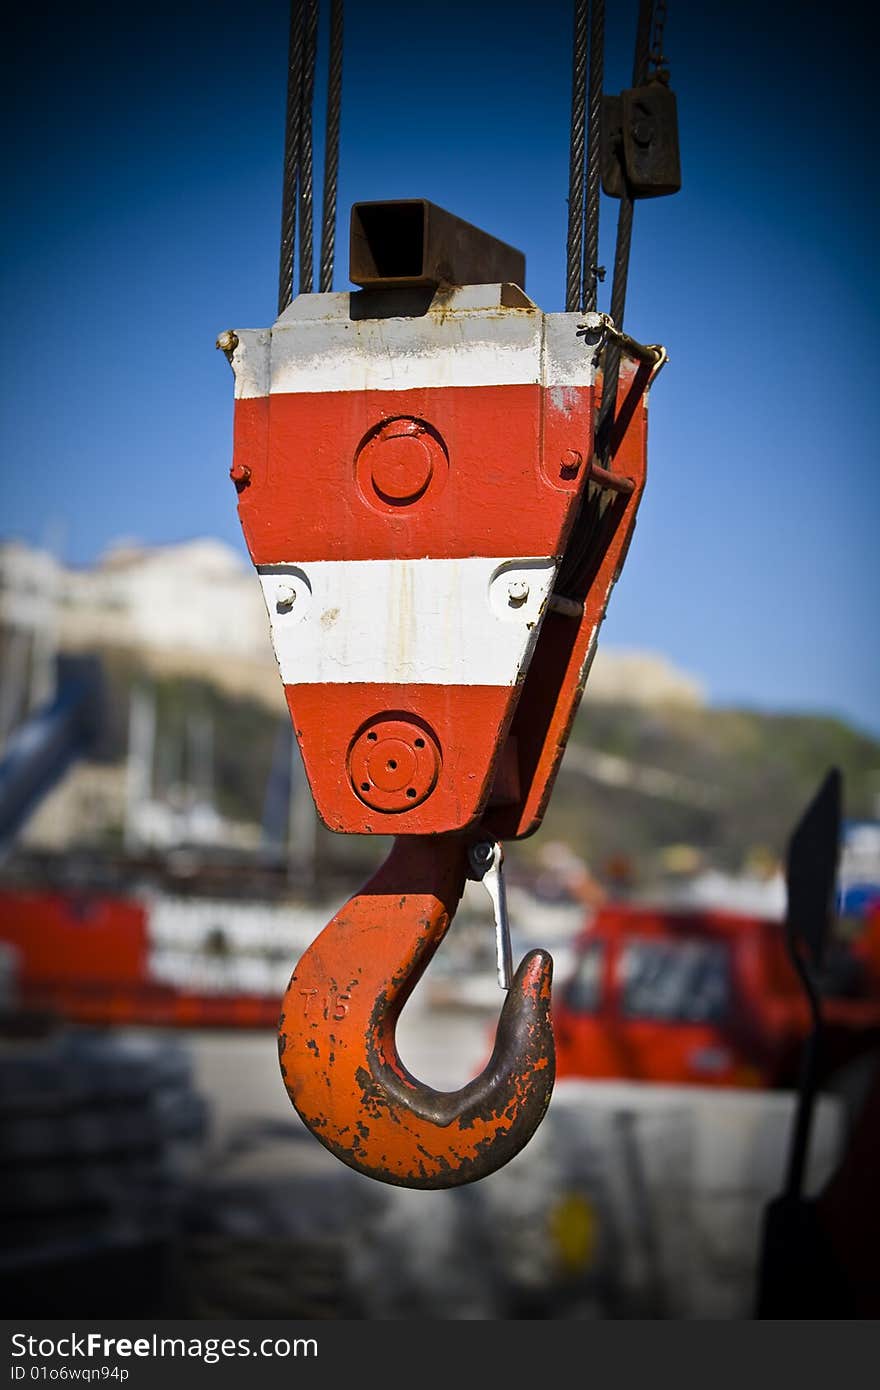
(306,191)
(590,277)
(622,249)
(576,560)
(574,241)
(291,156)
(331,150)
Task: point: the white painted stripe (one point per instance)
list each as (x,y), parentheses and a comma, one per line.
(316,347)
(426,622)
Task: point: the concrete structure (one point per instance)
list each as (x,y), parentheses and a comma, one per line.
(189,609)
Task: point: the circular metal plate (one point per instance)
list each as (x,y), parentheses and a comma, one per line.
(393,764)
(398,462)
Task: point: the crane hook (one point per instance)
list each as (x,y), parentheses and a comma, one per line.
(336,1037)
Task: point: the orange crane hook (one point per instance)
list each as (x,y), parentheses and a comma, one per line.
(337,1046)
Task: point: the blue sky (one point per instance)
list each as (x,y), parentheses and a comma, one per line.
(143,194)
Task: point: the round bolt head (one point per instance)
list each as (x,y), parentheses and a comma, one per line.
(517,592)
(228,341)
(643,132)
(286,597)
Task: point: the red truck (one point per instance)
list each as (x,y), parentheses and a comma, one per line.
(707,997)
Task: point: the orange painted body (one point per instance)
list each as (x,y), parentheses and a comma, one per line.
(558,673)
(463,719)
(499,482)
(503,486)
(500,495)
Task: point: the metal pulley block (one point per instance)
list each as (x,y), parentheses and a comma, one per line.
(640,154)
(407,481)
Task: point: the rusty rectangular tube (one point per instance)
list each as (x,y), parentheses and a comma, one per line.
(413,242)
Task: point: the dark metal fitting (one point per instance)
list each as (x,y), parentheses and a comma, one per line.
(227,342)
(413,242)
(652,354)
(481,853)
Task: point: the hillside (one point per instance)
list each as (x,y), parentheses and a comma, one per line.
(737,780)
